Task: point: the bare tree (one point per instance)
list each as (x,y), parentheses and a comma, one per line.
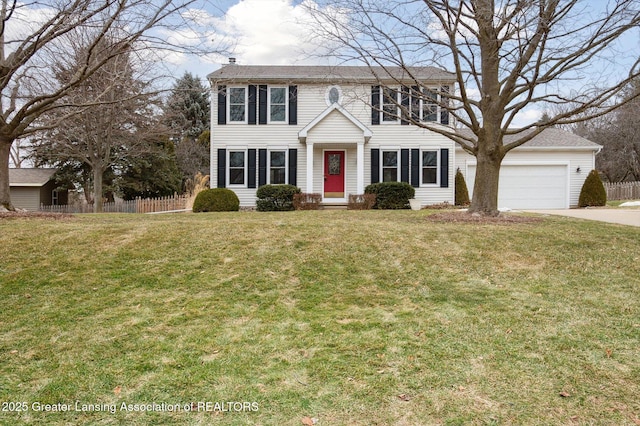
(507,55)
(34,34)
(19,153)
(116,124)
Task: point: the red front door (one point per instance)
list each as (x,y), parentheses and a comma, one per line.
(334,174)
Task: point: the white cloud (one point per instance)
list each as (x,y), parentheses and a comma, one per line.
(270,32)
(526,117)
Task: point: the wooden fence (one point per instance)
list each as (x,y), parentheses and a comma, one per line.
(139,205)
(623,191)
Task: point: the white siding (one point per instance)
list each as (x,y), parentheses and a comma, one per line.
(335,131)
(335,128)
(583,159)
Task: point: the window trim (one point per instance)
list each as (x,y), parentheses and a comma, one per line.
(437,168)
(327,93)
(286,105)
(246,104)
(396,104)
(423,104)
(285,167)
(246,168)
(382,166)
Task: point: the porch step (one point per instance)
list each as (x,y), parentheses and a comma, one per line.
(333,206)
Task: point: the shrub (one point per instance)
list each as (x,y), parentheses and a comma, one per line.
(462,194)
(305,201)
(216,200)
(361,201)
(391,195)
(593,192)
(276,198)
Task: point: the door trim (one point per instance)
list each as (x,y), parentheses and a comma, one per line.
(336,199)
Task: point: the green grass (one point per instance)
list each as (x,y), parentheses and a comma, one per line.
(354,318)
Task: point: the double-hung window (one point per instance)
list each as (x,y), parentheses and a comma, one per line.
(277,167)
(389,105)
(277,104)
(429,167)
(390,166)
(430,105)
(237,104)
(237,167)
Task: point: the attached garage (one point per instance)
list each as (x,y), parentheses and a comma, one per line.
(545,173)
(530,186)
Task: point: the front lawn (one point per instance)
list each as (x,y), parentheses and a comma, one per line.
(345,317)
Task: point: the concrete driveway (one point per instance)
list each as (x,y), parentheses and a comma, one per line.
(629,217)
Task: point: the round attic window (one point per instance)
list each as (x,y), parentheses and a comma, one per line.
(333,95)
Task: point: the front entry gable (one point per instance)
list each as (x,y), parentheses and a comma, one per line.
(335,125)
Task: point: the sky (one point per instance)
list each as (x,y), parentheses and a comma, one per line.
(268,32)
(276,32)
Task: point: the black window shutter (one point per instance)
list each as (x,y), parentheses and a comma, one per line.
(293,104)
(252,168)
(262,104)
(222,168)
(375,165)
(444,101)
(262,167)
(444,168)
(405,107)
(293,167)
(222,105)
(375,104)
(415,168)
(404,165)
(252,104)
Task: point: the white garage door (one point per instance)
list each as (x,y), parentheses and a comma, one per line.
(529,186)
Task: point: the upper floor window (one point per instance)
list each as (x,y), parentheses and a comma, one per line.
(277,104)
(390,105)
(394,105)
(237,104)
(430,106)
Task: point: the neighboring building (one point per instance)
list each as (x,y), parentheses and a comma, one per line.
(29,188)
(335,130)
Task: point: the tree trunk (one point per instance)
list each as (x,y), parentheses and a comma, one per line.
(489,158)
(485,188)
(5,193)
(97,189)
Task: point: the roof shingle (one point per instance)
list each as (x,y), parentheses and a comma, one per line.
(30,177)
(326,74)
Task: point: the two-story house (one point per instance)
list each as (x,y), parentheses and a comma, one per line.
(335,130)
(328,130)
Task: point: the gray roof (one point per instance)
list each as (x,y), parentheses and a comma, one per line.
(550,137)
(324,74)
(30,177)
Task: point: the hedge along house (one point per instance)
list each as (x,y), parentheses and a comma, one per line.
(328,130)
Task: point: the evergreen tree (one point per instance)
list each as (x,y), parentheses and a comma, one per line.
(187,111)
(153,175)
(187,114)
